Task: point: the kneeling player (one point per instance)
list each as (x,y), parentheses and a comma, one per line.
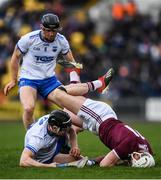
(44,140)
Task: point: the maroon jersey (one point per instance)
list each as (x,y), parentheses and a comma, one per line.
(122,139)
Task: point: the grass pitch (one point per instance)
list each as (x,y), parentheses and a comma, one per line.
(12,137)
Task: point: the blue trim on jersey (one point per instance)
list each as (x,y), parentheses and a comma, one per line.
(44,87)
(31,149)
(20,49)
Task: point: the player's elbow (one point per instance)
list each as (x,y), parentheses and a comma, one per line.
(23,163)
(106,164)
(109,160)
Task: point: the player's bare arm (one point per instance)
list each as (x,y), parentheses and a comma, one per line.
(109,160)
(69,56)
(75,151)
(27,160)
(15,59)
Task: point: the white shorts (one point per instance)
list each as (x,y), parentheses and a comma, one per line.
(93,113)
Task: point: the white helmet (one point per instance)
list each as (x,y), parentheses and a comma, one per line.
(142,160)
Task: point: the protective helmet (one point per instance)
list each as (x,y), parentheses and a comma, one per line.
(51,21)
(60,119)
(144,159)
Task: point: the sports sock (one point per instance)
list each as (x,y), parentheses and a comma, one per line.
(74,77)
(94,85)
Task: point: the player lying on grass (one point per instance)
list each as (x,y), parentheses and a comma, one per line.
(98,117)
(44,140)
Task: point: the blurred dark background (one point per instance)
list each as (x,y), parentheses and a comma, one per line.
(124,34)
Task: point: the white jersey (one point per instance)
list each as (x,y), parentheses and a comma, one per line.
(93,113)
(40,142)
(39,56)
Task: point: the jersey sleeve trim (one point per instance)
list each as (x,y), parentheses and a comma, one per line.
(116,153)
(65,53)
(20,49)
(31,149)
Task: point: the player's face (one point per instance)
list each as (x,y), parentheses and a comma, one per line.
(63,131)
(48,34)
(59,131)
(136,156)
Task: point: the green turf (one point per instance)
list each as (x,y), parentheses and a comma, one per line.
(12,135)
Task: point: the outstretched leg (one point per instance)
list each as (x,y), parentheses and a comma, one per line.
(101,84)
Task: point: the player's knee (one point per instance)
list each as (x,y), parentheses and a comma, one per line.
(29,109)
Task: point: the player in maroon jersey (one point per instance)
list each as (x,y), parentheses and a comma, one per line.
(125,144)
(98,117)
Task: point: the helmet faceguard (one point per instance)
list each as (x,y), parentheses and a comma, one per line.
(142,160)
(51,21)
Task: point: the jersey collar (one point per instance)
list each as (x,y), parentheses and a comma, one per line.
(44,40)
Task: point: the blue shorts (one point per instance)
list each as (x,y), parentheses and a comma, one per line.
(43,87)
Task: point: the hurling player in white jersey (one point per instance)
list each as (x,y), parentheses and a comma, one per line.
(44,141)
(39,50)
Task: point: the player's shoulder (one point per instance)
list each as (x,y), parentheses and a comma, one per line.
(60,36)
(42,119)
(31,35)
(39,127)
